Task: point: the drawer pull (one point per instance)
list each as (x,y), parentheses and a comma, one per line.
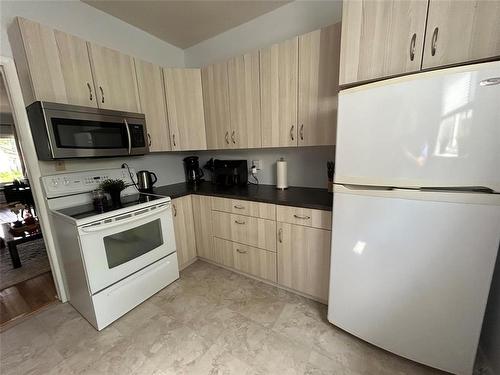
(280,235)
(239,222)
(239,207)
(302,217)
(241,251)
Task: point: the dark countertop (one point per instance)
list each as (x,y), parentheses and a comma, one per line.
(294,196)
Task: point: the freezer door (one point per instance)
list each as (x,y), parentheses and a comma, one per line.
(439,128)
(412,274)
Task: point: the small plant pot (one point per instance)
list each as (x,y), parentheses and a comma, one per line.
(116,201)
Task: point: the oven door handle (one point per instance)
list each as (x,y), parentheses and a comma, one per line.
(124,219)
(128,135)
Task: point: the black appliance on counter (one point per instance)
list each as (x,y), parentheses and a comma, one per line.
(230,172)
(194,174)
(145,181)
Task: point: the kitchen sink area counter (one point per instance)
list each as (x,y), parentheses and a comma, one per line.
(295,196)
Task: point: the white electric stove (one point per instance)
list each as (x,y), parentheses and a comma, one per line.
(113,259)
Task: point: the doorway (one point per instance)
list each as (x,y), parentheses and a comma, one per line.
(26,281)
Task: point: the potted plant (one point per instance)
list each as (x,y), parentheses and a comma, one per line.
(114,189)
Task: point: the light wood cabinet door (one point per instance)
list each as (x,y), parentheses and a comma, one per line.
(52,65)
(152,99)
(304,259)
(241,207)
(202,214)
(254,261)
(182,212)
(278,93)
(223,252)
(319,53)
(246,230)
(461,31)
(381,38)
(185,108)
(304,216)
(115,79)
(244,100)
(216,105)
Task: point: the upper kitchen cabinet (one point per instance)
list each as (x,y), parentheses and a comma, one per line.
(216,105)
(244,100)
(52,65)
(278,93)
(381,38)
(115,80)
(152,100)
(185,108)
(318,86)
(461,31)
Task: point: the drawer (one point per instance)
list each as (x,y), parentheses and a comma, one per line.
(241,207)
(257,262)
(247,230)
(304,216)
(223,252)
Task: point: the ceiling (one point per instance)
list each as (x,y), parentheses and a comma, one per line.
(185,23)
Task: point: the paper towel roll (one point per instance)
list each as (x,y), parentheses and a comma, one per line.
(281,174)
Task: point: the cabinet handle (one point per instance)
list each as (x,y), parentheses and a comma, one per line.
(173,140)
(91,97)
(239,207)
(302,132)
(241,251)
(102,94)
(175,210)
(239,222)
(280,235)
(291,132)
(301,217)
(149,140)
(412,46)
(434,41)
(227,137)
(232,136)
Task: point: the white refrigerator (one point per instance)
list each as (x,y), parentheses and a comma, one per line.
(416,213)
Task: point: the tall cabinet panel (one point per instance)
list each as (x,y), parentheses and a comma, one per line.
(278,88)
(216,105)
(461,31)
(182,212)
(114,77)
(381,38)
(318,86)
(202,213)
(244,100)
(185,108)
(152,99)
(37,60)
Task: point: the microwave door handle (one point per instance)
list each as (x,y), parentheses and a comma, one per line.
(127,218)
(128,135)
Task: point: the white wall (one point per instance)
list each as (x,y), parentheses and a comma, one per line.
(282,23)
(82,20)
(306,166)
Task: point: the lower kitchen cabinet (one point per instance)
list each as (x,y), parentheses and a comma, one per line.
(254,261)
(247,230)
(223,252)
(182,212)
(304,259)
(202,215)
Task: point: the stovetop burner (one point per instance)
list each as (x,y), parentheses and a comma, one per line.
(88,210)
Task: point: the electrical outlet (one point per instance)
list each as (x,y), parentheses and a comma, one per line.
(257,164)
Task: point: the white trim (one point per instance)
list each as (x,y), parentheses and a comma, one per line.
(25,140)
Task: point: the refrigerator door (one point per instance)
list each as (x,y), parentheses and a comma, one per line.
(411,271)
(433,129)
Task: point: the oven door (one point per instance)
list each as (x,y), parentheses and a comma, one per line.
(115,248)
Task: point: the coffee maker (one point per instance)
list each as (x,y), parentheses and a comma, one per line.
(194,174)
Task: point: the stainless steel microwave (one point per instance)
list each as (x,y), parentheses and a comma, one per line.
(62,131)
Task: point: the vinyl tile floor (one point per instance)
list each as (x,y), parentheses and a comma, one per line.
(210,321)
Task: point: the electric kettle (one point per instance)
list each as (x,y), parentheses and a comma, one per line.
(145,181)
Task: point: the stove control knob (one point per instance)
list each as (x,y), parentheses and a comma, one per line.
(66,181)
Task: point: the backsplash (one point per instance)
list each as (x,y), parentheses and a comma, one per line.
(306,165)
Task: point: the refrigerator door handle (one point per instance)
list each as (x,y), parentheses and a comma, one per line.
(490,81)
